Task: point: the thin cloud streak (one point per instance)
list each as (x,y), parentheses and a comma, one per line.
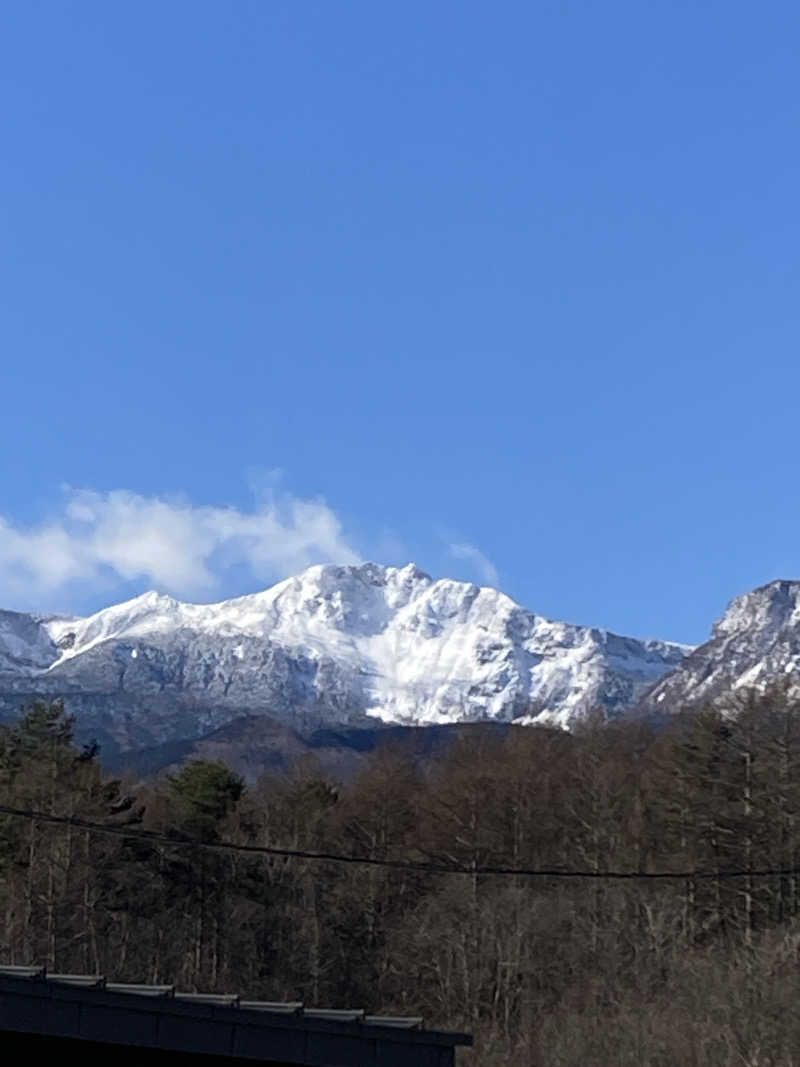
(483,565)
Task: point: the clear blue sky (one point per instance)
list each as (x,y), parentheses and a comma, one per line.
(516,278)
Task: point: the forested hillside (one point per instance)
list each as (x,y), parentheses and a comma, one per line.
(600,968)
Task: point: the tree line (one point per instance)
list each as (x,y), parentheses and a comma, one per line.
(698,969)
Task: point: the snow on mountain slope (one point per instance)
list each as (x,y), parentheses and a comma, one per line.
(25,644)
(756,642)
(337,645)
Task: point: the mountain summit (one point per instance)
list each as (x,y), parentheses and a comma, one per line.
(335,645)
(756,642)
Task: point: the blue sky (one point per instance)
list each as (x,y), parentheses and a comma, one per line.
(508,289)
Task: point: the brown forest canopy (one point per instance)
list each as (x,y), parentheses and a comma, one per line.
(542,971)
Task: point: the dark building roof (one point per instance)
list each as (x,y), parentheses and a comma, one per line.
(92,1009)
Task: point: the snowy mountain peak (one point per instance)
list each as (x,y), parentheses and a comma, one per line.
(774,605)
(757,641)
(333,645)
(145,613)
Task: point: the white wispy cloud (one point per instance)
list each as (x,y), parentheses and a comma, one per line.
(99,539)
(483,566)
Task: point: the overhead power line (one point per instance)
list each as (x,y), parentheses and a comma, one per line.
(422,866)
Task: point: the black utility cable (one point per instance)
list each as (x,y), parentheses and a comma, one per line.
(422,866)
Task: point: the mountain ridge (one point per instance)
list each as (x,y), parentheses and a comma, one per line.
(345,645)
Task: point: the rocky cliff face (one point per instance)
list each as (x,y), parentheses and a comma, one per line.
(755,643)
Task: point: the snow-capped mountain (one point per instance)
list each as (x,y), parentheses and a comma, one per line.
(355,645)
(755,644)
